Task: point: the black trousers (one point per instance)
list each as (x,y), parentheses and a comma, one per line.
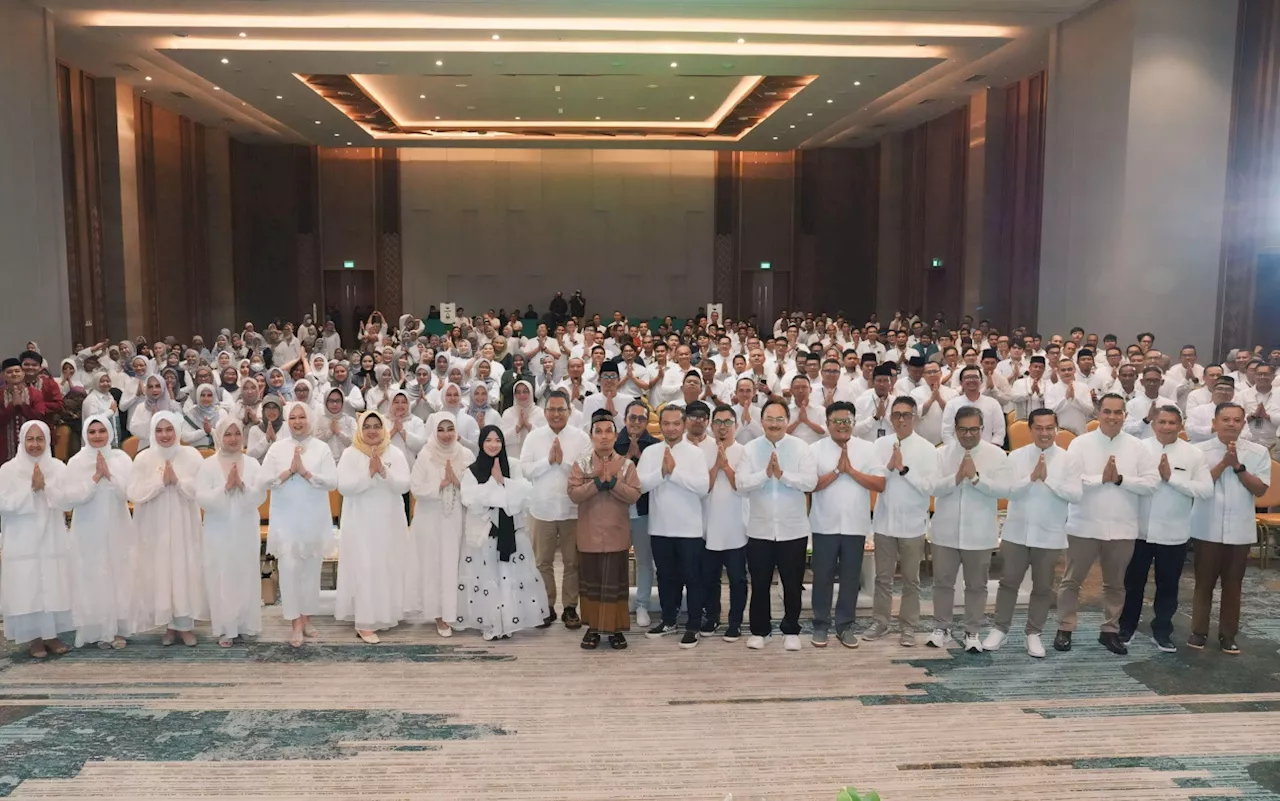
(734,561)
(1168,560)
(787,557)
(679,564)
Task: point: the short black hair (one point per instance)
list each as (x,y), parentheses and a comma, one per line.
(842,406)
(773,401)
(904,400)
(970,411)
(1041,412)
(1217,410)
(558,393)
(1171,409)
(1115,395)
(672,408)
(722,407)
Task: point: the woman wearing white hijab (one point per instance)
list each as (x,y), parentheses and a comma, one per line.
(202,417)
(523,416)
(101,401)
(230,487)
(35,573)
(372,477)
(304,392)
(379,396)
(154,400)
(407,433)
(71,378)
(103,538)
(131,382)
(168,587)
(435,538)
(263,435)
(278,384)
(419,389)
(335,427)
(479,410)
(318,369)
(300,471)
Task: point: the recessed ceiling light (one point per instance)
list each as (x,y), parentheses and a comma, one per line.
(279,97)
(653,86)
(793,126)
(422,97)
(675,64)
(243,34)
(217,88)
(829,100)
(496,37)
(517,118)
(775,137)
(437,117)
(348,144)
(461,85)
(226,61)
(148,77)
(317,122)
(597,118)
(744,41)
(677,118)
(641,108)
(857,83)
(600,97)
(337,134)
(810,114)
(691,97)
(439,63)
(471,108)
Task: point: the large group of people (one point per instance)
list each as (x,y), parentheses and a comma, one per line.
(469,459)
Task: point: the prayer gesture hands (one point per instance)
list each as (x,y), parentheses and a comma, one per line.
(1071,390)
(271,434)
(207,428)
(1041,471)
(881,405)
(333,425)
(170,477)
(895,461)
(1035,387)
(1230,456)
(1261,413)
(450,477)
(497,472)
(234,482)
(556,454)
(101,470)
(774,470)
(843,465)
(668,462)
(633,450)
(1165,470)
(376,467)
(968,470)
(1109,473)
(296,465)
(37,479)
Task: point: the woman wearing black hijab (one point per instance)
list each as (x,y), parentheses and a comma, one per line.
(499,589)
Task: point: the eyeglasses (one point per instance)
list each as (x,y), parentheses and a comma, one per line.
(968,430)
(775,419)
(902,415)
(722,423)
(841,421)
(637,418)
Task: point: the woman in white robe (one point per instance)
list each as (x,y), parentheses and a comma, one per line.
(476,416)
(168,584)
(200,420)
(265,434)
(230,487)
(300,472)
(500,589)
(35,571)
(304,392)
(408,434)
(335,427)
(378,397)
(103,538)
(155,399)
(372,477)
(523,417)
(435,537)
(101,401)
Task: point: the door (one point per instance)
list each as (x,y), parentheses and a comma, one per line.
(344,292)
(762,297)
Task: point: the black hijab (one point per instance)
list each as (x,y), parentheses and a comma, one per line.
(482,469)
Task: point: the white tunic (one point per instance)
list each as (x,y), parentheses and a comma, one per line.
(1139,415)
(301,524)
(965,514)
(169,581)
(338,441)
(435,540)
(35,571)
(1074,412)
(1037,513)
(992,418)
(777,507)
(903,508)
(374,537)
(514,438)
(1165,515)
(844,507)
(724,509)
(549,496)
(1228,516)
(409,440)
(103,544)
(232,573)
(1107,511)
(675,500)
(929,424)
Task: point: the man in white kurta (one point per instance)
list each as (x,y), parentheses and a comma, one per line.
(1027,393)
(1223,526)
(901,514)
(1070,398)
(971,394)
(840,518)
(970,481)
(1117,470)
(1263,412)
(1164,526)
(932,398)
(808,416)
(1043,480)
(1140,414)
(725,523)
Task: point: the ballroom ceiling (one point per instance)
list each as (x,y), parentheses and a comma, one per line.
(741,75)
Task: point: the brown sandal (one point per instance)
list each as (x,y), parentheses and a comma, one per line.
(56,647)
(37,650)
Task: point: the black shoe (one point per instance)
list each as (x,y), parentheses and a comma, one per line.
(591,640)
(1113,643)
(547,621)
(709,627)
(733,634)
(1164,643)
(1229,646)
(571,619)
(690,639)
(660,630)
(1062,641)
(1197,641)
(617,642)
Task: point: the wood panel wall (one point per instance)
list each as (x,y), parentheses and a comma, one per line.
(82,203)
(1012,273)
(838,232)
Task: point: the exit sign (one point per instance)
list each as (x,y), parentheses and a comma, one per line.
(936,264)
(348,265)
(766,265)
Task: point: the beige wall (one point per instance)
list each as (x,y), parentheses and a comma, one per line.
(493,228)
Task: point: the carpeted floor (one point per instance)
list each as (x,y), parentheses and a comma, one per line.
(538,718)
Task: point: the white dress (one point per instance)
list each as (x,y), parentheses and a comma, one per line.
(301,525)
(410,440)
(496,597)
(232,572)
(340,440)
(35,571)
(168,583)
(435,540)
(103,545)
(374,537)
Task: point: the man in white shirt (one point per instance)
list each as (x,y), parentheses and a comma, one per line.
(1164,526)
(725,518)
(546,458)
(608,397)
(1140,414)
(861,378)
(1185,376)
(902,511)
(633,376)
(674,474)
(1102,526)
(970,481)
(932,398)
(807,417)
(1070,399)
(1027,393)
(873,406)
(971,382)
(765,381)
(995,385)
(1223,525)
(912,377)
(831,390)
(776,473)
(840,518)
(1200,420)
(1264,408)
(747,415)
(575,385)
(1043,480)
(1204,393)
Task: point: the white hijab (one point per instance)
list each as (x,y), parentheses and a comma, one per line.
(166,454)
(25,462)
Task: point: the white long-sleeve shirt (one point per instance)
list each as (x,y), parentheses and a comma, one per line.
(1165,516)
(815,414)
(965,514)
(598,401)
(903,508)
(1262,430)
(777,506)
(844,507)
(724,509)
(1074,413)
(1107,511)
(992,418)
(747,429)
(1228,516)
(929,424)
(1199,424)
(1037,514)
(549,499)
(865,424)
(1138,410)
(1024,396)
(675,500)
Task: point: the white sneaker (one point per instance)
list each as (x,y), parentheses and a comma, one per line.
(1034,646)
(755,643)
(994,640)
(972,644)
(940,638)
(791,642)
(642,617)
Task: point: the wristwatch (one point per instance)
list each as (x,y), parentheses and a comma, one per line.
(1239,469)
(1119,480)
(903,470)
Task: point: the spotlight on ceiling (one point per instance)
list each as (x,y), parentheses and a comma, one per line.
(226,61)
(673,64)
(439,63)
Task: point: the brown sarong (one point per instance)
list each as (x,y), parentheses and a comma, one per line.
(603,591)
